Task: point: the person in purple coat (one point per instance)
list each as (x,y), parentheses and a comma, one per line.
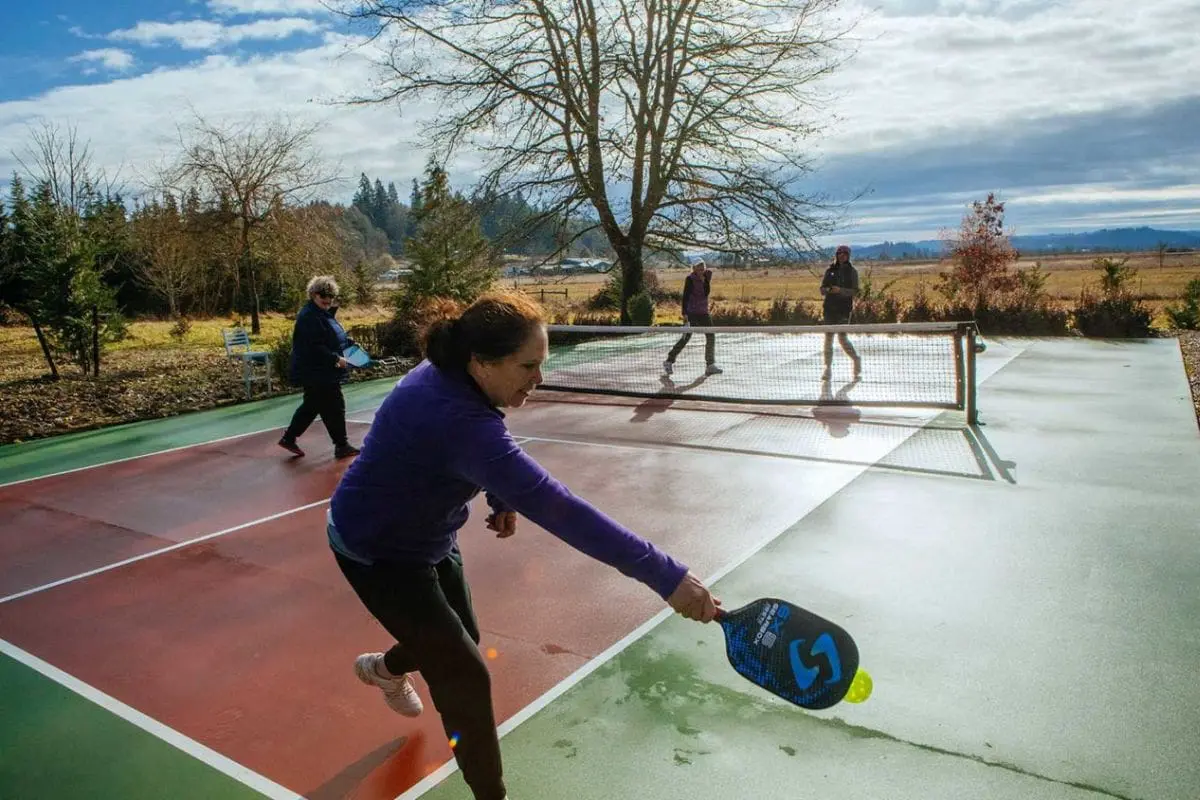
(696,288)
(437,441)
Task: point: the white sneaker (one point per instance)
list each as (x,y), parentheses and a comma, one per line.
(399,693)
(668,367)
(713,369)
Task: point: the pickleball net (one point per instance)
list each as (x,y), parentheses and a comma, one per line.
(928,364)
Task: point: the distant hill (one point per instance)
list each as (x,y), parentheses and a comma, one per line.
(1115,239)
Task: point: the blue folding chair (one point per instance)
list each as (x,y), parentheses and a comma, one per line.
(238,348)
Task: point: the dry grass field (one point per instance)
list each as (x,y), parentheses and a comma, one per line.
(1067,277)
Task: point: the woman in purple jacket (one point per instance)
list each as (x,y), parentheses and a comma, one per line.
(437,440)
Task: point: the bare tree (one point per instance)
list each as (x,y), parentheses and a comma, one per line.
(253,170)
(679,122)
(66,163)
(299,243)
(169,263)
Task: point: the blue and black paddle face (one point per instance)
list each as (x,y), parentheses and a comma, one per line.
(790,652)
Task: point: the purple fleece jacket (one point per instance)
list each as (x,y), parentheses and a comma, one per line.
(434,443)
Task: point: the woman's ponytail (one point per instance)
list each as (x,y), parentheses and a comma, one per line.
(443,344)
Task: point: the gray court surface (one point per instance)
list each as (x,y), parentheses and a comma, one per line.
(1026,595)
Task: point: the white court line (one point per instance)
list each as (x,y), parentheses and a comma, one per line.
(155,453)
(561,688)
(133,458)
(152,726)
(157,552)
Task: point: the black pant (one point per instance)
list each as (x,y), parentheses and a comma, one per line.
(703,320)
(428,611)
(324,399)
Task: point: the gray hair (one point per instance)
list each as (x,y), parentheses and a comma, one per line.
(322,284)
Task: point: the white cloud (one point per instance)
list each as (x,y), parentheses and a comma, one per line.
(985,64)
(1105,194)
(109,57)
(198,34)
(250,7)
(132,123)
(1065,108)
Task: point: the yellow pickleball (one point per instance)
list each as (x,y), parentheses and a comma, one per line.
(860,687)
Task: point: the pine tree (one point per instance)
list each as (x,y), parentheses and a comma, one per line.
(414,210)
(379,205)
(449,254)
(364,196)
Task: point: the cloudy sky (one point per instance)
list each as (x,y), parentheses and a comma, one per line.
(1080,114)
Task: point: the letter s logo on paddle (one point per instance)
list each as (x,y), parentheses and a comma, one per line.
(806,675)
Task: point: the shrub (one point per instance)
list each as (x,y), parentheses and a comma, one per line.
(401,336)
(281,357)
(641,309)
(1187,316)
(1115,312)
(608,297)
(734,313)
(922,308)
(1115,317)
(873,305)
(591,318)
(180,329)
(787,312)
(1045,319)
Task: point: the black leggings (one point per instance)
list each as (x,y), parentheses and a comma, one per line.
(700,320)
(324,399)
(427,609)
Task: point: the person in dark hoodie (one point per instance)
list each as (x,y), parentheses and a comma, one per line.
(839,287)
(696,288)
(438,439)
(318,341)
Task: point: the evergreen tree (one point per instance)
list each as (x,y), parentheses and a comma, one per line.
(379,206)
(364,197)
(449,254)
(414,209)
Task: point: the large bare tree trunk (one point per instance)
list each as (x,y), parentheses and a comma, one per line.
(630,258)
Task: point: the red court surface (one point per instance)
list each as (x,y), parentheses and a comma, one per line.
(245,641)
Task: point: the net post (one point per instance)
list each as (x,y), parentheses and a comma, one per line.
(960,392)
(972,407)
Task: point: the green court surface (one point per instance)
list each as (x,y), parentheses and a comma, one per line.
(72,451)
(55,743)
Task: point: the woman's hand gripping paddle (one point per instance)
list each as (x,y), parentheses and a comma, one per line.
(793,653)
